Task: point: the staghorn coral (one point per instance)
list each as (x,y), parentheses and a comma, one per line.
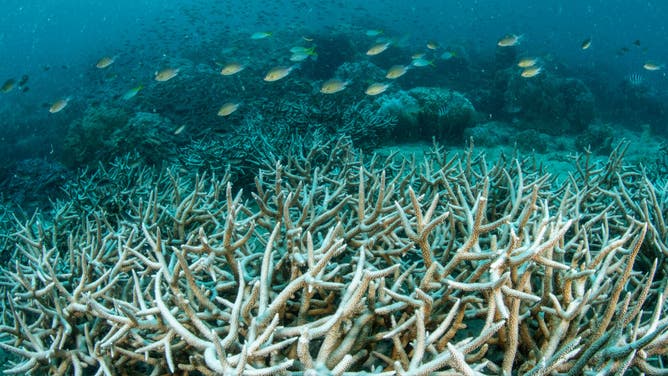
(387,266)
(365,125)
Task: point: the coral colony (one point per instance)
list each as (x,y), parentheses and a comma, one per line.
(440,265)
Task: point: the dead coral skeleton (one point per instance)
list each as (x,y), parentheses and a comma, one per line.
(449,265)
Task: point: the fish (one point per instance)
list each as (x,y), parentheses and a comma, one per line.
(532,71)
(180,129)
(333,85)
(376,88)
(132,92)
(261,35)
(527,62)
(509,40)
(105,61)
(396,71)
(278,73)
(301,49)
(299,57)
(59,105)
(228,108)
(635,79)
(166,74)
(585,43)
(302,53)
(421,62)
(8,86)
(24,80)
(447,55)
(377,48)
(232,68)
(432,45)
(653,66)
(374,32)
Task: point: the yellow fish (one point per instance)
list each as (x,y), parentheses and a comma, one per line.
(432,45)
(376,88)
(232,68)
(105,62)
(527,62)
(8,85)
(228,108)
(509,40)
(396,71)
(652,66)
(166,74)
(59,105)
(278,73)
(333,86)
(532,71)
(377,48)
(585,44)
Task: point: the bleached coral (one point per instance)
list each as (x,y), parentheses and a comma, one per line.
(386,266)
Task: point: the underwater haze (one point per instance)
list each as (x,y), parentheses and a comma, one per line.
(68,32)
(597,70)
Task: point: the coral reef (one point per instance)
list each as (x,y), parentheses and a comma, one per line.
(106,132)
(426,112)
(87,138)
(444,112)
(547,103)
(635,102)
(405,108)
(492,133)
(148,134)
(31,183)
(194,95)
(532,140)
(342,264)
(365,125)
(599,138)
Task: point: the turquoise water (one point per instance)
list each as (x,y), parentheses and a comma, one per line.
(109,107)
(614,89)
